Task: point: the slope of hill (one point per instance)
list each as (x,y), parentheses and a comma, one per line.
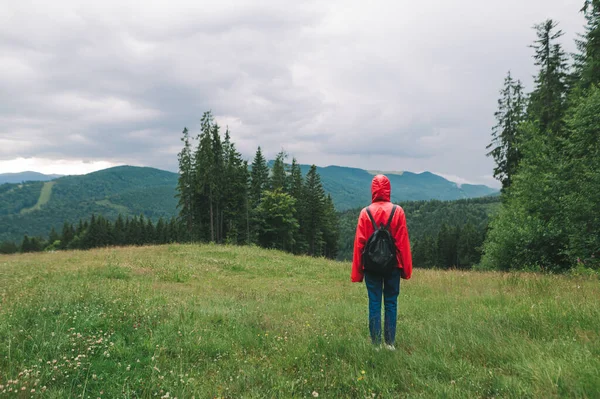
(210,321)
(123,189)
(34,207)
(25,176)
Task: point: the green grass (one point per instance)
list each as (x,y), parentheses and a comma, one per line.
(211,321)
(45,195)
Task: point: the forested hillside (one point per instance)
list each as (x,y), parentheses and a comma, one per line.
(122,190)
(132,191)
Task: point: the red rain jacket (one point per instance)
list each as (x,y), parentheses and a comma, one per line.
(381,209)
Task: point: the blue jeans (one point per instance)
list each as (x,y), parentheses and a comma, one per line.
(390,288)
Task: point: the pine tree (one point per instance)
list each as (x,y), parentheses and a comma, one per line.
(296,186)
(279,179)
(216,185)
(68,233)
(259,177)
(314,212)
(505,135)
(185,184)
(548,100)
(204,164)
(119,231)
(330,229)
(235,194)
(587,60)
(26,244)
(53,236)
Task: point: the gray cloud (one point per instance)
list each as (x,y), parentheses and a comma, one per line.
(381,85)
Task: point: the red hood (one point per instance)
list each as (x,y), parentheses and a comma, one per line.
(381,189)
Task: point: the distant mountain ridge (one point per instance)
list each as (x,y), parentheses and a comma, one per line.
(25,176)
(34,208)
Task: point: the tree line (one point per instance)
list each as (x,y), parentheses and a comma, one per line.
(221,199)
(546,147)
(99,231)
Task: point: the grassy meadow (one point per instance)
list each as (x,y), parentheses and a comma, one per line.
(214,321)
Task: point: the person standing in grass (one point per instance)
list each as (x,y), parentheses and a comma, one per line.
(382,257)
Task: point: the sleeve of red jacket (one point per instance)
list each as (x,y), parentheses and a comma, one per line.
(403,243)
(360,239)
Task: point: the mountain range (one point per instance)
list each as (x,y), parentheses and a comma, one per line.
(25,176)
(34,207)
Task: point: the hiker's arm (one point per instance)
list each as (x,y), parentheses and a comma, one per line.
(403,244)
(359,243)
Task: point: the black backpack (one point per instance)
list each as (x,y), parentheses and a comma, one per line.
(379,255)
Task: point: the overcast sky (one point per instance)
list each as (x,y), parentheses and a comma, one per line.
(386,85)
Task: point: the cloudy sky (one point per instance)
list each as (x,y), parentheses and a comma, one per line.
(386,85)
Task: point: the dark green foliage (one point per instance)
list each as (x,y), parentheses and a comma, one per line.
(549,217)
(279,179)
(587,61)
(504,145)
(547,101)
(185,184)
(313,199)
(16,197)
(8,247)
(277,224)
(259,177)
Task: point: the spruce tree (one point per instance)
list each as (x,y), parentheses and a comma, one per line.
(505,135)
(68,233)
(204,164)
(259,177)
(279,180)
(216,185)
(296,186)
(314,212)
(185,184)
(330,229)
(547,102)
(587,60)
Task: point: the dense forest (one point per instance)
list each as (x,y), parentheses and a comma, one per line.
(546,146)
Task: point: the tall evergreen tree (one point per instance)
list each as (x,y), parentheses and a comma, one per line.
(331,233)
(505,135)
(279,178)
(204,164)
(68,233)
(314,212)
(296,186)
(259,177)
(587,60)
(235,194)
(216,185)
(185,183)
(547,103)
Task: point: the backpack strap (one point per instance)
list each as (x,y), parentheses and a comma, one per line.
(371,217)
(389,223)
